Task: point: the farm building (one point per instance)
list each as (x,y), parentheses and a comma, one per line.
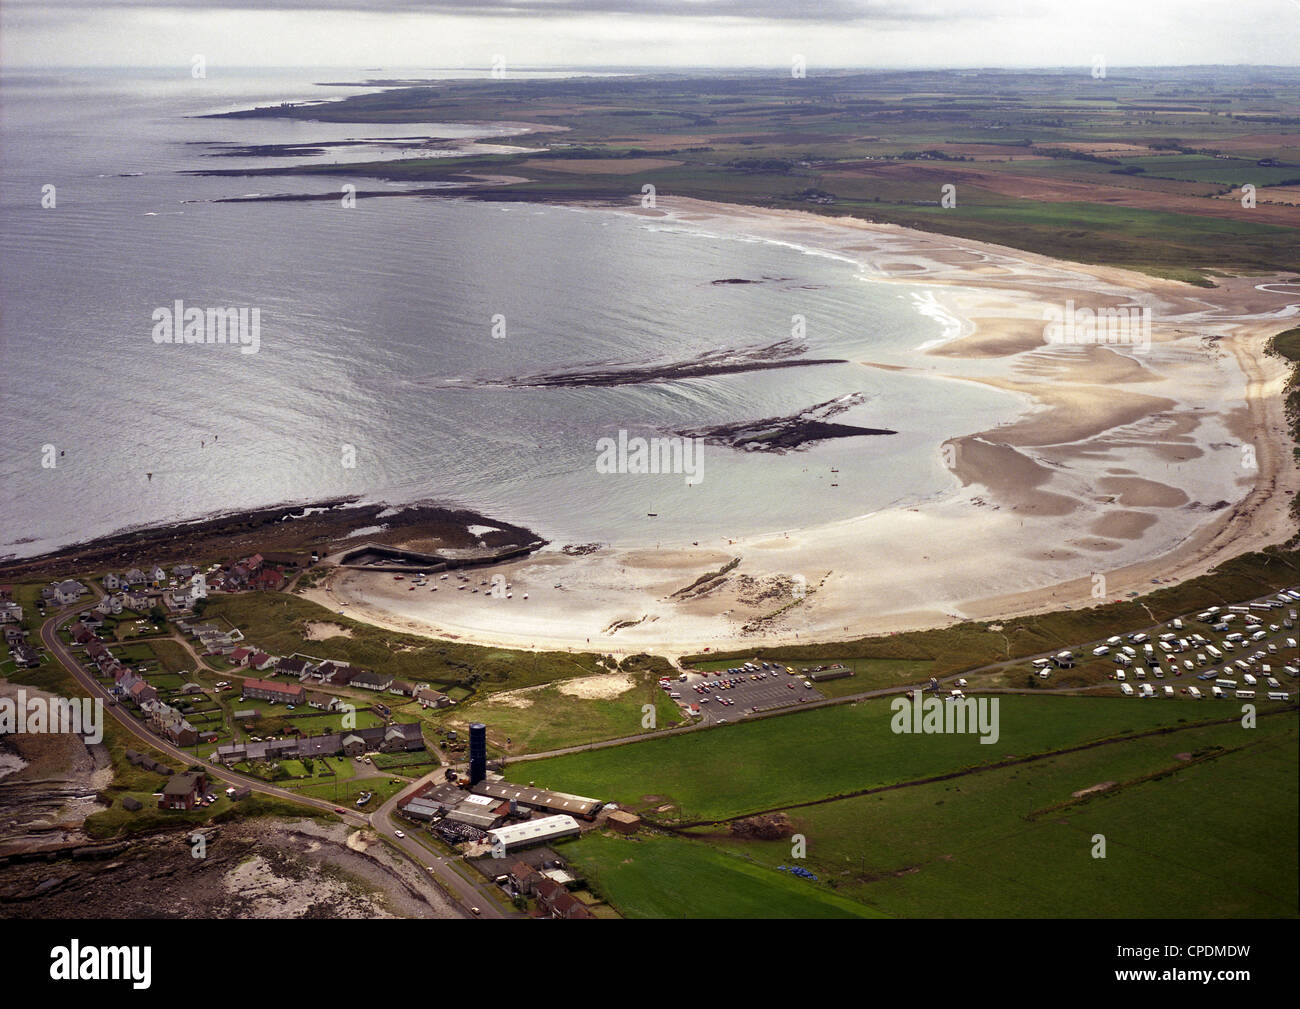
(521,835)
(540,798)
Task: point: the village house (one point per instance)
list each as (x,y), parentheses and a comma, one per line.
(170,723)
(141,602)
(524,878)
(368,680)
(81,634)
(338,673)
(25,655)
(382,738)
(566,905)
(240,656)
(325,702)
(267,690)
(182,791)
(68,591)
(268,580)
(15,636)
(291,666)
(135,577)
(133,687)
(10,612)
(430,698)
(112,582)
(260,661)
(402,688)
(184,571)
(110,605)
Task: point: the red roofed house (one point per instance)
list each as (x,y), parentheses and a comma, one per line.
(268,579)
(267,690)
(556,901)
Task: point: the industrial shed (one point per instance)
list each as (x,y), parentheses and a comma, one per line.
(521,835)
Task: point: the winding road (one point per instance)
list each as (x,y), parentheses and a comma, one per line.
(464,894)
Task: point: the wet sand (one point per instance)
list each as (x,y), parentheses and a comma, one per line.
(1127,461)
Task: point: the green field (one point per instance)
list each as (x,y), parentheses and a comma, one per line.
(833,751)
(655,877)
(553,719)
(1212,836)
(173,657)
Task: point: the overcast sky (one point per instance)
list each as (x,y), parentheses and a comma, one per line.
(470,33)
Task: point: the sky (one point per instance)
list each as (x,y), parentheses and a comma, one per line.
(471,34)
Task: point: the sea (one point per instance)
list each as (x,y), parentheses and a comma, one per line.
(386,327)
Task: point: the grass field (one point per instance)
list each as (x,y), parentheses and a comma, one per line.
(833,751)
(1212,836)
(655,877)
(173,657)
(553,719)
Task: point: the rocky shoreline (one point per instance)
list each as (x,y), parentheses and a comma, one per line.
(320,527)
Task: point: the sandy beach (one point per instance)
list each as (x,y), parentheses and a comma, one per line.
(1128,464)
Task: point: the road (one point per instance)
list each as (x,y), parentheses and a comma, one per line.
(463,894)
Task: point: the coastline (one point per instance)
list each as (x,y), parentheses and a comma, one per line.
(1119,465)
(286,528)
